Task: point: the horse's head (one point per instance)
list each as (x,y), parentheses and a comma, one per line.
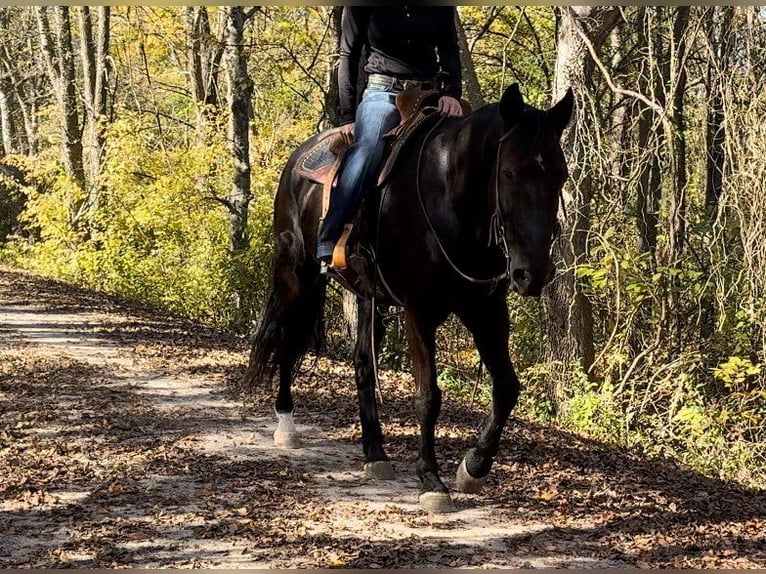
(530,172)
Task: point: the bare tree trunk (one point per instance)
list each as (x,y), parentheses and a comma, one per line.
(6,123)
(649,183)
(719,32)
(88,55)
(331,109)
(59,58)
(719,35)
(472,86)
(205,53)
(29,115)
(67,90)
(95,51)
(680,179)
(6,72)
(197,24)
(569,320)
(240,95)
(102,68)
(650,137)
(17,91)
(618,117)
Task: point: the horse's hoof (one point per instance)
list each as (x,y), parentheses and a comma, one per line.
(380,469)
(437,502)
(466,483)
(286,435)
(287,440)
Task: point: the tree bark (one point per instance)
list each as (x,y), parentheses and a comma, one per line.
(59,58)
(680,179)
(240,94)
(88,55)
(6,122)
(29,115)
(205,53)
(331,108)
(650,137)
(7,72)
(719,32)
(471,80)
(95,52)
(569,316)
(16,94)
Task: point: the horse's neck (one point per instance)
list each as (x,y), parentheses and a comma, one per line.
(473,152)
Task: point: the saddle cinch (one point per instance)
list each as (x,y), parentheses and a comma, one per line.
(321,162)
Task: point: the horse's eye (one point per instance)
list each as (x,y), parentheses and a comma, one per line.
(507,173)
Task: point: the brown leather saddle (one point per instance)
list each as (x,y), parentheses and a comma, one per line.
(321,162)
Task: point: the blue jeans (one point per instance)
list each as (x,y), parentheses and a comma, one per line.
(375,115)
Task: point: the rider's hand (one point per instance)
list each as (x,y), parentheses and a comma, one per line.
(449,106)
(347,133)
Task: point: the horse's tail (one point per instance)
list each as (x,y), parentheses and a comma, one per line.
(292,320)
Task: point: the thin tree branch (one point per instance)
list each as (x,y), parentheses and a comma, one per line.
(605,73)
(225,202)
(493,15)
(250,13)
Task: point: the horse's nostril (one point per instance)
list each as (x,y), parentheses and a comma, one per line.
(522,277)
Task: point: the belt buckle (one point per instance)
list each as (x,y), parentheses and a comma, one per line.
(411,84)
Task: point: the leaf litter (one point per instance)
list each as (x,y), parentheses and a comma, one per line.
(124,445)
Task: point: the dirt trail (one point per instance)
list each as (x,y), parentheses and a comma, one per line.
(121,446)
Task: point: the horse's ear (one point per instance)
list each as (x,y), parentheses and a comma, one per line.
(511,106)
(561,113)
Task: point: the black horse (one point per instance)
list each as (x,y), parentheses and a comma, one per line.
(470,211)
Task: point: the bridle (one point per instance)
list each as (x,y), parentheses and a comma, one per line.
(496,226)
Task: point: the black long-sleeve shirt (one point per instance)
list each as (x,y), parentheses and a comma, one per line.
(403,42)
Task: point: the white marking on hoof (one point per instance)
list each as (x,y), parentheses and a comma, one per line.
(437,502)
(286,435)
(466,483)
(380,469)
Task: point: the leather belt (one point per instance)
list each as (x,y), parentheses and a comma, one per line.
(397,85)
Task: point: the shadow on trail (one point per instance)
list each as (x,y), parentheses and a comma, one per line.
(144,324)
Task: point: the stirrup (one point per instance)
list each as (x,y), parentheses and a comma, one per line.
(339,262)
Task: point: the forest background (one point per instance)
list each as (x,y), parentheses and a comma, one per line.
(142,146)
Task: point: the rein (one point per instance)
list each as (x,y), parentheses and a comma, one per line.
(497,229)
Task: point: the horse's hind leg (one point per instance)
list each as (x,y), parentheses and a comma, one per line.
(421,336)
(370,333)
(488,322)
(290,322)
(301,324)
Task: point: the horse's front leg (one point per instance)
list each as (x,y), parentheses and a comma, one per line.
(370,333)
(489,324)
(421,336)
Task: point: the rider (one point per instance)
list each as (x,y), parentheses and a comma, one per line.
(403,43)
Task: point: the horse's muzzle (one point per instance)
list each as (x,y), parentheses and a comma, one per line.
(521,279)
